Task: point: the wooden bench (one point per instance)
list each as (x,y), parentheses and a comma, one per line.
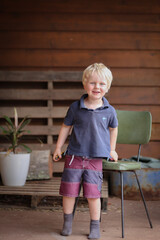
(42,188)
(45,97)
(39,189)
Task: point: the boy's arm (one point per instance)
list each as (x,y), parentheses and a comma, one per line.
(63,134)
(113,139)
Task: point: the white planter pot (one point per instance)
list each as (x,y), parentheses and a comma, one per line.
(14,168)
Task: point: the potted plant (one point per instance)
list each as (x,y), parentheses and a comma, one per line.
(14,164)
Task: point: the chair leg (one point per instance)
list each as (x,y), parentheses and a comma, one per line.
(143,200)
(122,205)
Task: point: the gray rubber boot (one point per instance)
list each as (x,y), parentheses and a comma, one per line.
(94,229)
(67,225)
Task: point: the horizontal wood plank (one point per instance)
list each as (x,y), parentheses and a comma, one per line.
(40,76)
(117,95)
(155,135)
(54,130)
(60,112)
(43,188)
(34,112)
(89,6)
(78,22)
(135,77)
(70,40)
(46,94)
(121,77)
(46,188)
(81,58)
(151,149)
(134,95)
(43,130)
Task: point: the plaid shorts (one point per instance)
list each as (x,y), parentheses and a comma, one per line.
(82,169)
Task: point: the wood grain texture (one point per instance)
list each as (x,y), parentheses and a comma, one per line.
(89,6)
(40,165)
(151,149)
(79,22)
(55,58)
(89,40)
(59,112)
(117,95)
(121,76)
(54,36)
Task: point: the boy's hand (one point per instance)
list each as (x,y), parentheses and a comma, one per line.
(114,155)
(57,155)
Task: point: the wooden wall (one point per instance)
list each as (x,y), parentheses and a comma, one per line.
(69,35)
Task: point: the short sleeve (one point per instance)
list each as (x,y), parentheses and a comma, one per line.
(69,118)
(113,123)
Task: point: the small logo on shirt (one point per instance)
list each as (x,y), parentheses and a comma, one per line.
(104,118)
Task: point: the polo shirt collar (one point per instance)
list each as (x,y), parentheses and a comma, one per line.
(105,102)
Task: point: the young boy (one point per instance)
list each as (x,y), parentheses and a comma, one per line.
(93,122)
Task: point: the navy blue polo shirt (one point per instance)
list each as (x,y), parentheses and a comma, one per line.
(90,135)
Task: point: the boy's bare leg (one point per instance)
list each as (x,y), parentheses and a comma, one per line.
(94,208)
(68,205)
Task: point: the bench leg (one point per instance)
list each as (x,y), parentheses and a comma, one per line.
(35,200)
(104,202)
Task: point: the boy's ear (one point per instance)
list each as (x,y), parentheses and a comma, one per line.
(84,86)
(107,90)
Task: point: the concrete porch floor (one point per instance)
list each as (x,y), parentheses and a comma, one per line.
(40,224)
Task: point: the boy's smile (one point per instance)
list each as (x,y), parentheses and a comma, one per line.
(96,87)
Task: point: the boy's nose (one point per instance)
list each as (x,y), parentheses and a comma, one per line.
(97,85)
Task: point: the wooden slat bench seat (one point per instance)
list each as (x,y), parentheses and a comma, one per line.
(42,188)
(36,189)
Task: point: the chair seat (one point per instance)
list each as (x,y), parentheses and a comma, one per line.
(121,165)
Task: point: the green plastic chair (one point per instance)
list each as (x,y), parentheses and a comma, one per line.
(133,128)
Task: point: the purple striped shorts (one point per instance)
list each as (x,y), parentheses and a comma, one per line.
(87,170)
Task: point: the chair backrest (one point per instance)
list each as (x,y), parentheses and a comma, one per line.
(134,127)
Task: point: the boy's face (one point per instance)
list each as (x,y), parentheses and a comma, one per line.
(95,86)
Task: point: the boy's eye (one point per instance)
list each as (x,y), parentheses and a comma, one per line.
(101,84)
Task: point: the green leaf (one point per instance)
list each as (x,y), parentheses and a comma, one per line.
(14,139)
(9,121)
(23,123)
(26,147)
(14,131)
(4,130)
(7,137)
(10,128)
(39,140)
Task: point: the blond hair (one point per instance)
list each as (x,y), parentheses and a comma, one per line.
(101,70)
